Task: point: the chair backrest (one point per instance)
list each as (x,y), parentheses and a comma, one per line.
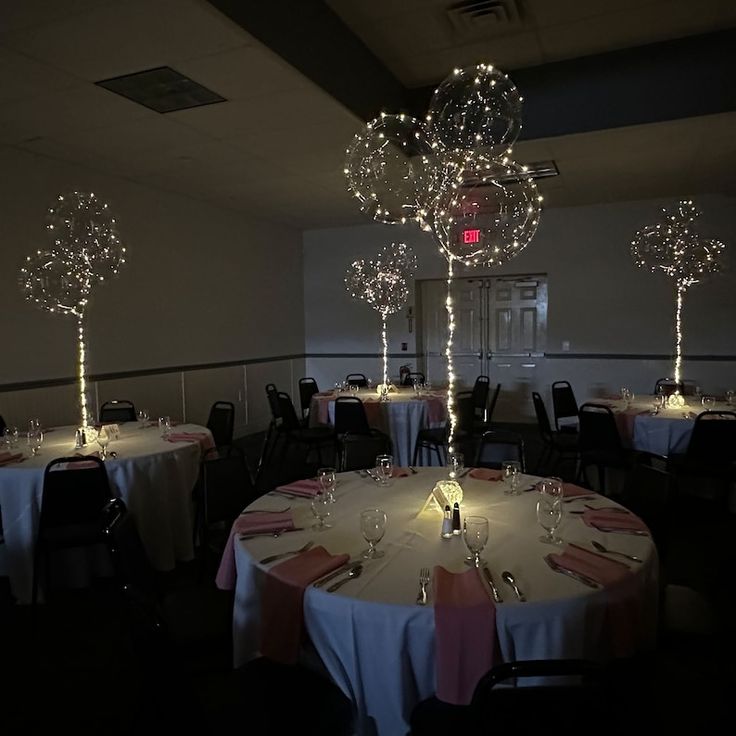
(495,447)
(350,416)
(287,413)
(713,440)
(564,404)
(480,394)
(493,402)
(272,394)
(307,388)
(359,451)
(356,379)
(545,428)
(117,410)
(410,378)
(221,422)
(464,411)
(75,490)
(227,486)
(598,430)
(648,494)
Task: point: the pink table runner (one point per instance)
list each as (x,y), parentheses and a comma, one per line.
(485,474)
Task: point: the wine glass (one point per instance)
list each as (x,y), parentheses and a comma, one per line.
(549,516)
(164,424)
(551,488)
(729,397)
(34,424)
(510,470)
(103,440)
(373,527)
(143,417)
(327,482)
(456,465)
(384,468)
(321,509)
(475,533)
(35,440)
(708,402)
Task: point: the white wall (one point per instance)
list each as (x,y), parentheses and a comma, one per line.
(202,285)
(598,300)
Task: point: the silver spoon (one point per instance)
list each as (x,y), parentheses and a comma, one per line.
(353,572)
(508,578)
(601,548)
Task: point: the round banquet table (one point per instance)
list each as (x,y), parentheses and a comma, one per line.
(153,476)
(401,417)
(666,432)
(379,646)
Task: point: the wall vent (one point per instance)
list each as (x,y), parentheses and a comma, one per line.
(469,17)
(536,169)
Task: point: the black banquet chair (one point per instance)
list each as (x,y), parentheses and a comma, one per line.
(117,410)
(221,422)
(556,446)
(76,505)
(434,439)
(357,443)
(410,378)
(564,407)
(495,447)
(356,379)
(307,388)
(294,433)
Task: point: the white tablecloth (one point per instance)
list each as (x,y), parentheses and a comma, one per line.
(154,477)
(400,418)
(378,645)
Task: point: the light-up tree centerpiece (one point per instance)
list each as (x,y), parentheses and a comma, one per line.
(674,247)
(382,283)
(85,252)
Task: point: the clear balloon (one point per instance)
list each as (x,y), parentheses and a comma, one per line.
(490,213)
(84,228)
(399,255)
(475,109)
(393,169)
(673,246)
(382,285)
(55,283)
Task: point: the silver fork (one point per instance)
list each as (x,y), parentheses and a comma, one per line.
(423,583)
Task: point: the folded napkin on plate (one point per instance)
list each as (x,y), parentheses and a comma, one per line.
(282,616)
(204,438)
(613,521)
(570,490)
(602,569)
(486,474)
(398,472)
(6,458)
(307,488)
(257,522)
(465,633)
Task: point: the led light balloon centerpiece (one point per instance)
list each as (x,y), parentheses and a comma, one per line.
(85,252)
(674,247)
(452,174)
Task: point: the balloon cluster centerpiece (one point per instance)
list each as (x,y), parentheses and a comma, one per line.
(452,174)
(673,246)
(85,251)
(382,283)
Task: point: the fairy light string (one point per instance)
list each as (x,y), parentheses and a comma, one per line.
(450,364)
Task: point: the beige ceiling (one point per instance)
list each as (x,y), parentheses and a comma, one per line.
(275,148)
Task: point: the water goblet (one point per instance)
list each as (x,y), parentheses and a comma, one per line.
(456,465)
(164,424)
(143,417)
(475,533)
(510,470)
(14,435)
(551,489)
(327,482)
(34,424)
(384,468)
(373,527)
(103,440)
(708,402)
(369,382)
(549,516)
(35,440)
(729,397)
(321,510)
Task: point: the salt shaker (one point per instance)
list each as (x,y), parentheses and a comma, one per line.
(456,519)
(447,524)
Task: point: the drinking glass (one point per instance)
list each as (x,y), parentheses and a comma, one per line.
(373,527)
(34,424)
(164,424)
(551,488)
(35,440)
(708,402)
(354,389)
(511,470)
(549,516)
(327,482)
(369,382)
(10,435)
(321,509)
(729,397)
(143,417)
(384,468)
(456,465)
(103,440)
(475,533)
(7,437)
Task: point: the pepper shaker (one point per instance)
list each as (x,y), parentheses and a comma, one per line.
(456,519)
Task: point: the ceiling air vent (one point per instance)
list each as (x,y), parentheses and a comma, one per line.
(537,170)
(486,16)
(162,89)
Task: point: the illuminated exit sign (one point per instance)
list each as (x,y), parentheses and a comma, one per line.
(471,236)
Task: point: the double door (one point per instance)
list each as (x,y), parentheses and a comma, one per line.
(500,329)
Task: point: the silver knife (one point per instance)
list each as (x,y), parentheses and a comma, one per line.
(332,575)
(584,579)
(496,595)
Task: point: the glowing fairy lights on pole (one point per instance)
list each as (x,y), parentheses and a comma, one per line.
(674,247)
(85,251)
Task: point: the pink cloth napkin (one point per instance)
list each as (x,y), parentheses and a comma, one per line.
(307,488)
(486,474)
(465,633)
(204,438)
(614,521)
(6,458)
(570,490)
(602,569)
(398,472)
(258,521)
(282,616)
